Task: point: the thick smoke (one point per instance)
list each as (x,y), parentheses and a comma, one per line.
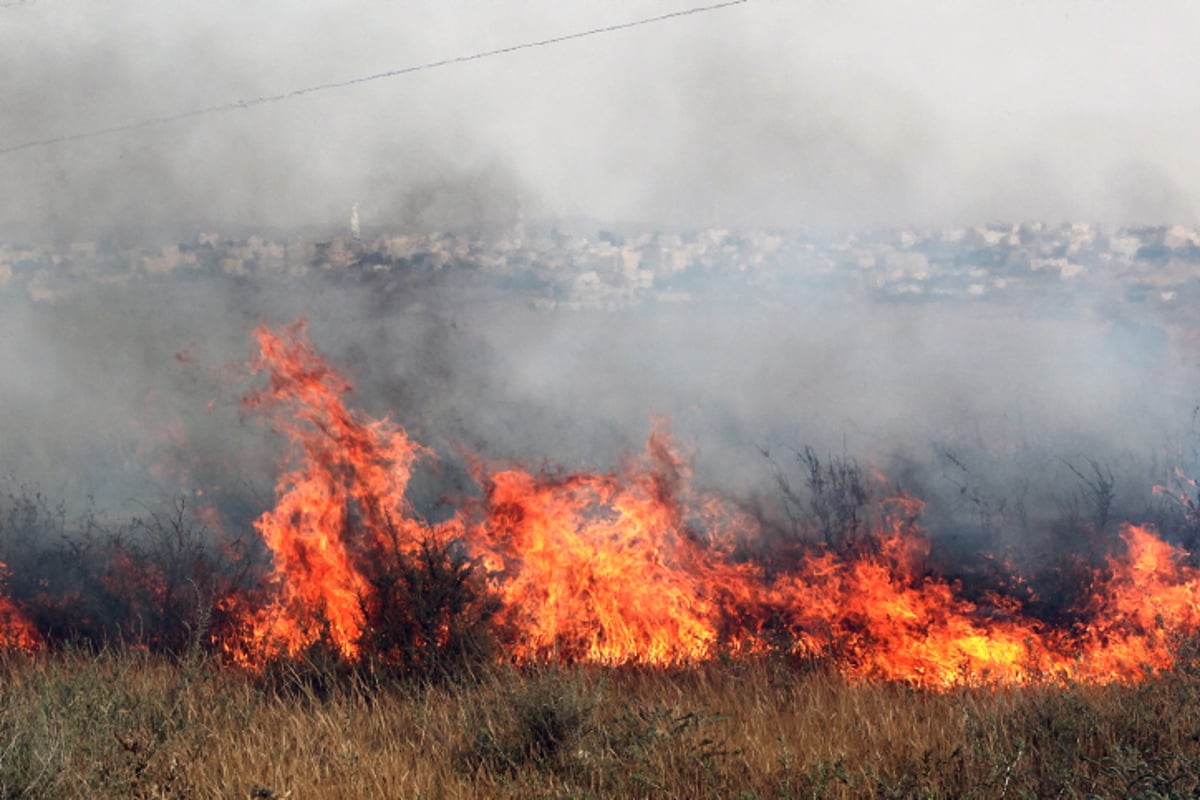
(765,115)
(123,394)
(770,113)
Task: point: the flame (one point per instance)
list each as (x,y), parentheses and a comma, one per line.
(16,630)
(883,617)
(637,567)
(340,505)
(603,568)
(1150,597)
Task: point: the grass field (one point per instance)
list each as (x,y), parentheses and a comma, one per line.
(134,725)
(342,645)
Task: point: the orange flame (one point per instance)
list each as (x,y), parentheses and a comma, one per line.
(636,567)
(603,568)
(16,631)
(1151,597)
(339,505)
(883,618)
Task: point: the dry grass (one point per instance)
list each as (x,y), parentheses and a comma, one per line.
(131,725)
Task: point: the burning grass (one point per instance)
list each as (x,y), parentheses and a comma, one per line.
(639,567)
(582,634)
(631,567)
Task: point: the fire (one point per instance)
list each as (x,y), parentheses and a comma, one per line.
(884,618)
(630,567)
(340,505)
(603,568)
(1150,596)
(636,566)
(16,631)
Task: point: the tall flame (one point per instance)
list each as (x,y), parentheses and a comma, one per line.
(339,503)
(635,566)
(1149,597)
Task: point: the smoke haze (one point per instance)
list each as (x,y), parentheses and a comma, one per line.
(770,114)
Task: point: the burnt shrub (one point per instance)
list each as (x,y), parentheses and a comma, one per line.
(149,582)
(833,501)
(429,613)
(426,618)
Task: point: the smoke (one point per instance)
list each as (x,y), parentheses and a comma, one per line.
(123,395)
(768,114)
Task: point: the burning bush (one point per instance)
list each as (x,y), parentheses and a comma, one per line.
(149,582)
(630,567)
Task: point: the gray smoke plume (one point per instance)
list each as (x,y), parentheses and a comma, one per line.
(770,114)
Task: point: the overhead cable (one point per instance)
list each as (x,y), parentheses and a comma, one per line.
(236,105)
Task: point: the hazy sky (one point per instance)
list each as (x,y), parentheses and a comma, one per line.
(774,112)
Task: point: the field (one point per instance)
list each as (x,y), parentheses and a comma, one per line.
(440,543)
(685,399)
(131,725)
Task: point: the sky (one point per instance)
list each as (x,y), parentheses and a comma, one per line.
(772,113)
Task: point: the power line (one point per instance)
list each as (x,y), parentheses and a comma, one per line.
(322,87)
